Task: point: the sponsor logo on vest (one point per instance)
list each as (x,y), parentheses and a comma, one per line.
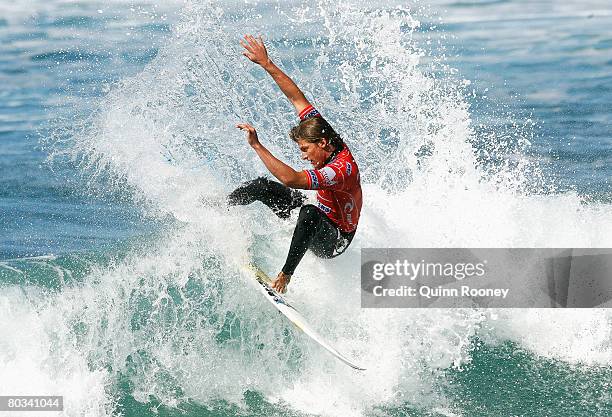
(324,207)
(314,179)
(328,175)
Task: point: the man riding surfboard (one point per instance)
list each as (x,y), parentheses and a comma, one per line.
(328,228)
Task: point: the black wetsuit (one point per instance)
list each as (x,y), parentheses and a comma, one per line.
(314,230)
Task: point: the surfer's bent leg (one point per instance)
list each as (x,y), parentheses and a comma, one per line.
(315,231)
(273,194)
(329,241)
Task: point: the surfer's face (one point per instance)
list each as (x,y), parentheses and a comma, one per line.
(315,152)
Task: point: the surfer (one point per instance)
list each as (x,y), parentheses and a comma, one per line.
(328,228)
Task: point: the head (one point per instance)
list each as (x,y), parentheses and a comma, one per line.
(316,139)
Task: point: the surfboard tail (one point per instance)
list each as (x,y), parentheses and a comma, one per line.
(294,316)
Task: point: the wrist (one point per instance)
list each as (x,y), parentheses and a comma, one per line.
(268,65)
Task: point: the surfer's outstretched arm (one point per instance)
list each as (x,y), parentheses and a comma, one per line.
(256,52)
(285,174)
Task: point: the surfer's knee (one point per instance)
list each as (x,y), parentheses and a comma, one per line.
(248,192)
(258,187)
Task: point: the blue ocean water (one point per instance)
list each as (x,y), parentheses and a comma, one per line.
(487,122)
(546,63)
(54,65)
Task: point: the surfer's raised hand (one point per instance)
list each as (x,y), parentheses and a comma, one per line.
(255,50)
(281,282)
(251,133)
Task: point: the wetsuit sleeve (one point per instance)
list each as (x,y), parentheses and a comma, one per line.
(309,112)
(331,177)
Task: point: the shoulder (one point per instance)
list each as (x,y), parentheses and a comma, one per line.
(308,112)
(345,159)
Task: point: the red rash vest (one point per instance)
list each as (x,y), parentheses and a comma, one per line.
(338,185)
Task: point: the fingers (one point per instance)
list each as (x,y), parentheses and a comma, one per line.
(252,43)
(246,45)
(252,40)
(246,127)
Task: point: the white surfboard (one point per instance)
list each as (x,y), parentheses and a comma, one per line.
(263,281)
